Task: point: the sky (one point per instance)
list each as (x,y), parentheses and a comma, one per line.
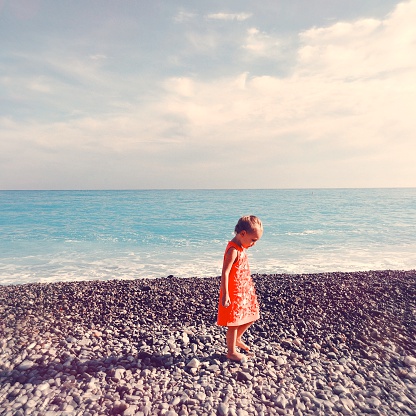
(162,94)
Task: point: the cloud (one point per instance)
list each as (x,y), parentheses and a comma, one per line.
(98,57)
(229,16)
(262,44)
(363,48)
(343,116)
(347,105)
(184,16)
(182,86)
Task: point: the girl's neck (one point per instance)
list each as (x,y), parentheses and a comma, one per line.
(237,241)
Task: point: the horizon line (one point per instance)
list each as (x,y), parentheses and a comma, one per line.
(199,189)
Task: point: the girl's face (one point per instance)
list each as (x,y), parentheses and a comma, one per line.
(248,239)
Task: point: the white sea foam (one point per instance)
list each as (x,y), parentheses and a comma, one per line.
(306,232)
(208,265)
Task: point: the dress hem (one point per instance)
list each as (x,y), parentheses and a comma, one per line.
(247,320)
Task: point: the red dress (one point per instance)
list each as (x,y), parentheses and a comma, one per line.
(244,307)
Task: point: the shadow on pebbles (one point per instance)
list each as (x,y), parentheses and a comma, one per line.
(326,344)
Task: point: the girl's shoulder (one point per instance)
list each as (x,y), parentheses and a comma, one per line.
(231,248)
(232,244)
(233,251)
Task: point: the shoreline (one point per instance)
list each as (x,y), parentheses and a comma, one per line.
(336,343)
(280,274)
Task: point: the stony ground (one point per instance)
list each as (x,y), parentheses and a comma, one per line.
(327,344)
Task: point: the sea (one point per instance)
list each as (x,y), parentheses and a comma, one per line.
(55,236)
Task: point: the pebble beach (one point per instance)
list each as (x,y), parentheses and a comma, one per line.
(326,344)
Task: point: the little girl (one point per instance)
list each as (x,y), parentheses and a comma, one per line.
(238,307)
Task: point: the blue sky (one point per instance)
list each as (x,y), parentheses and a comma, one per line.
(100,94)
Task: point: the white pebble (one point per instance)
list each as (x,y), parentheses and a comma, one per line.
(194,363)
(410,361)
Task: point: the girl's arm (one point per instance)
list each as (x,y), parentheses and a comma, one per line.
(229,259)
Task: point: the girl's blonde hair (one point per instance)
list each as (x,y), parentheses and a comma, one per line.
(248,223)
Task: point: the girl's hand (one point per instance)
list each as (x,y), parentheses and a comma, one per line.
(226,301)
(229,259)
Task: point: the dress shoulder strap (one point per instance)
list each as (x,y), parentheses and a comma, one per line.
(236,246)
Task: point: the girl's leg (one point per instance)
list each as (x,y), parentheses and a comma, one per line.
(231,344)
(240,331)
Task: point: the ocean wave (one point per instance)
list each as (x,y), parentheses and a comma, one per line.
(207,264)
(305,232)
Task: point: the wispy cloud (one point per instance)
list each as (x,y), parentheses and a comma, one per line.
(261,44)
(184,16)
(98,57)
(203,42)
(229,16)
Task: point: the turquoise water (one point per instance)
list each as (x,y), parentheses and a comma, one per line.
(50,236)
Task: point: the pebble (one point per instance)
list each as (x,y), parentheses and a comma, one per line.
(116,348)
(222,409)
(410,361)
(25,365)
(194,363)
(339,389)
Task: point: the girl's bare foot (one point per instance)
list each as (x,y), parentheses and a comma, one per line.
(236,357)
(242,345)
